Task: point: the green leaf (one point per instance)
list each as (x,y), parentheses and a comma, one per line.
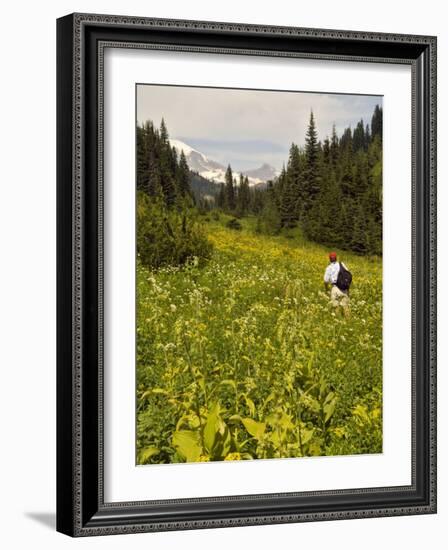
(329,397)
(228,383)
(211,428)
(147,393)
(256,429)
(147,453)
(201,382)
(190,420)
(270,397)
(306,435)
(187,444)
(285,422)
(250,405)
(329,410)
(274,438)
(223,444)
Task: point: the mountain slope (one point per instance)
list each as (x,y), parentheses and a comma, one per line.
(214,171)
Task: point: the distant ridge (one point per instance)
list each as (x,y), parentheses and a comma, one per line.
(214,171)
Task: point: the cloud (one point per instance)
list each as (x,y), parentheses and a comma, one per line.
(248,126)
(247,146)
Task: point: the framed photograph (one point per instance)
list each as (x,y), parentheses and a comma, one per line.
(246,274)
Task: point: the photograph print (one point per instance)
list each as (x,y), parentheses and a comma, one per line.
(258,274)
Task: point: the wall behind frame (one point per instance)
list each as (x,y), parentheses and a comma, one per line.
(28,277)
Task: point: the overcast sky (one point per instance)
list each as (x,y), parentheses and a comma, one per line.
(247,128)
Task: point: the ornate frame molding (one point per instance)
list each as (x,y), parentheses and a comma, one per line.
(82,511)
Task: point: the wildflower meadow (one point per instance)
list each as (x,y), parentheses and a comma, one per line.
(243,357)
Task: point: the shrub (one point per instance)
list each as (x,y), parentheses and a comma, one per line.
(234,224)
(168,236)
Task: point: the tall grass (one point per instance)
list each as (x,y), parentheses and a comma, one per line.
(244,358)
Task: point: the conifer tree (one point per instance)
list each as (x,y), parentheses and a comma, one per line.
(167,164)
(183,176)
(257,201)
(367,137)
(334,147)
(326,151)
(288,203)
(221,198)
(348,185)
(269,221)
(279,186)
(295,184)
(142,158)
(164,137)
(243,196)
(312,179)
(359,136)
(376,126)
(229,190)
(333,189)
(311,176)
(345,209)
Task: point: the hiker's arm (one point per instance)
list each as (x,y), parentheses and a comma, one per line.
(326,280)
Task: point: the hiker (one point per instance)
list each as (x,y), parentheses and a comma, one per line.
(339,278)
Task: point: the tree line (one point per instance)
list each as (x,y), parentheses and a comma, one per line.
(169,232)
(161,172)
(331,189)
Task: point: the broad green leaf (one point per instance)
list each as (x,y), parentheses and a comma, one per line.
(256,429)
(190,419)
(250,405)
(274,437)
(329,397)
(314,404)
(223,443)
(329,410)
(187,444)
(147,453)
(201,382)
(285,422)
(306,435)
(211,428)
(152,391)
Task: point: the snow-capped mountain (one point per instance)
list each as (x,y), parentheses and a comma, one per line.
(198,162)
(214,171)
(264,173)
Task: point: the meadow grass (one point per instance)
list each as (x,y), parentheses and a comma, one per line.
(244,358)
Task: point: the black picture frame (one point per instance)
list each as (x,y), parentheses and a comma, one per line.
(81,510)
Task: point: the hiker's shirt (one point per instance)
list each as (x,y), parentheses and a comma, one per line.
(332,272)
